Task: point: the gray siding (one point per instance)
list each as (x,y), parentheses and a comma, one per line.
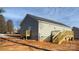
(76,32)
(30,22)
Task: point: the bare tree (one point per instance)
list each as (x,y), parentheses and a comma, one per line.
(2,24)
(10,28)
(1,10)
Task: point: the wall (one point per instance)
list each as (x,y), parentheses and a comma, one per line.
(30,22)
(76,32)
(45,29)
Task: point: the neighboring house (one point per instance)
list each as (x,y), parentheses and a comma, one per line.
(41,28)
(76,32)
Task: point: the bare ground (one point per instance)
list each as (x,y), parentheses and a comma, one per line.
(16,44)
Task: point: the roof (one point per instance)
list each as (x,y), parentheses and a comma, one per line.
(75,28)
(43,19)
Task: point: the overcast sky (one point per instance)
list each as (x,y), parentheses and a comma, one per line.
(68,16)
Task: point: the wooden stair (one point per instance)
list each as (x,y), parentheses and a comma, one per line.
(63,36)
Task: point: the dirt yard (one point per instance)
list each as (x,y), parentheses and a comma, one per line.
(16,44)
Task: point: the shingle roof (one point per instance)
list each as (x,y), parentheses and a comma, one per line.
(47,20)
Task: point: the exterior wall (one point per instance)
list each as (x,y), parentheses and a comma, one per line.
(41,29)
(30,23)
(45,29)
(76,32)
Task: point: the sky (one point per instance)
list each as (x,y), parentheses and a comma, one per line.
(65,15)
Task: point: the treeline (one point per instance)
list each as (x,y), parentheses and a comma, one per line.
(6,26)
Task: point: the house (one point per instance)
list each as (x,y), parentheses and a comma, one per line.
(41,28)
(76,32)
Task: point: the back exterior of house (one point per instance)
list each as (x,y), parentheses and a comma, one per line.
(40,28)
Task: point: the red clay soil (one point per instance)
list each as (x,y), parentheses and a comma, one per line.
(14,44)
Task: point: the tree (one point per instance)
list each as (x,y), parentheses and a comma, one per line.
(1,10)
(2,24)
(10,26)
